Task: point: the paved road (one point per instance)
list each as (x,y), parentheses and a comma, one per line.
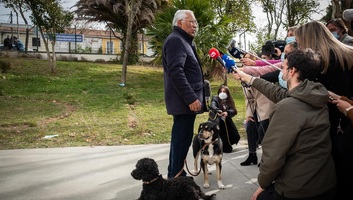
(103,173)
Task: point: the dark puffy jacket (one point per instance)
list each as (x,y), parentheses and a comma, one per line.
(183,76)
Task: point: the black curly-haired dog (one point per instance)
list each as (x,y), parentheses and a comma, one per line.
(155,187)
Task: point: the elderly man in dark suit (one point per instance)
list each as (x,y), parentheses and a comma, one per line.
(183,87)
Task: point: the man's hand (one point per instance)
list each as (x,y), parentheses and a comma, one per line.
(240,75)
(333,95)
(249,118)
(341,105)
(256,193)
(195,106)
(278,51)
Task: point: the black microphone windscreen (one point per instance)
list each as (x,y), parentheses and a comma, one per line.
(207,87)
(348,15)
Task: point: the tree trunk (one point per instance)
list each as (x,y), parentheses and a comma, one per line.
(27,38)
(131,10)
(53,59)
(45,40)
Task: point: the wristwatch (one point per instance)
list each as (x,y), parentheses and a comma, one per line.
(347,109)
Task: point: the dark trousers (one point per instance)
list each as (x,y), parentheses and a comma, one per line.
(182,134)
(271,194)
(255,132)
(343,146)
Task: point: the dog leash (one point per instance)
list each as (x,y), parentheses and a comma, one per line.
(186,164)
(225,124)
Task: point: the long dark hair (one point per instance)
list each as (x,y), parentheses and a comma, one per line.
(229,100)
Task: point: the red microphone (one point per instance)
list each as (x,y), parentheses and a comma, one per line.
(215,55)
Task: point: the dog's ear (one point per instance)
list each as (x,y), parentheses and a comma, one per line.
(215,127)
(146,169)
(200,127)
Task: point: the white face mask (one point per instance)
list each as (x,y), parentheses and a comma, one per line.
(282,82)
(335,34)
(290,39)
(222,95)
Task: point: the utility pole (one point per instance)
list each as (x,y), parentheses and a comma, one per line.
(110,42)
(244,41)
(12,41)
(18,30)
(75,40)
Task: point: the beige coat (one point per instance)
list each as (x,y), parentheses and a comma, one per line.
(256,100)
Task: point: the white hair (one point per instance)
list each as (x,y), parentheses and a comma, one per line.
(180,14)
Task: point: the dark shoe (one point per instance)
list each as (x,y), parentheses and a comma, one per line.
(252,159)
(227,149)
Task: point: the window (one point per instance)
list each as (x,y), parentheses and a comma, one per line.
(121,46)
(110,47)
(35,42)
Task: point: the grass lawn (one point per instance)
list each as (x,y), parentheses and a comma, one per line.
(82,105)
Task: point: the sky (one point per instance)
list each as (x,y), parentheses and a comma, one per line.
(5,12)
(259,18)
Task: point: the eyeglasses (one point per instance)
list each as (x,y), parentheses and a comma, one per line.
(191,21)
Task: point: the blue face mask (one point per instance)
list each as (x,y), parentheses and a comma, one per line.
(335,34)
(290,39)
(282,56)
(282,82)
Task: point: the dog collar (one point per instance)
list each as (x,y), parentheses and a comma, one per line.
(149,182)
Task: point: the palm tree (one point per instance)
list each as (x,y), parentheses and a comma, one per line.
(212,31)
(125,16)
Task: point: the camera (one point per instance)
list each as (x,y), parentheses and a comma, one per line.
(280,44)
(270,48)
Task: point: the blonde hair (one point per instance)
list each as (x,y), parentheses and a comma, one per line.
(325,43)
(251,55)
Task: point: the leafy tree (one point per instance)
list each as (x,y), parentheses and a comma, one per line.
(335,11)
(274,10)
(215,28)
(239,12)
(299,11)
(261,39)
(126,16)
(50,18)
(287,13)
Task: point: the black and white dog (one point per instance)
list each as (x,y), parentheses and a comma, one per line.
(155,187)
(208,143)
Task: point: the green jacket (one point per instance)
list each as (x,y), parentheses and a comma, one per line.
(297,145)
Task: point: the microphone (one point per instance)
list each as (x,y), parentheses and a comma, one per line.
(232,66)
(226,61)
(229,63)
(233,50)
(215,55)
(347,14)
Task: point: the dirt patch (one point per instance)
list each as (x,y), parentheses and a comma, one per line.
(66,113)
(131,119)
